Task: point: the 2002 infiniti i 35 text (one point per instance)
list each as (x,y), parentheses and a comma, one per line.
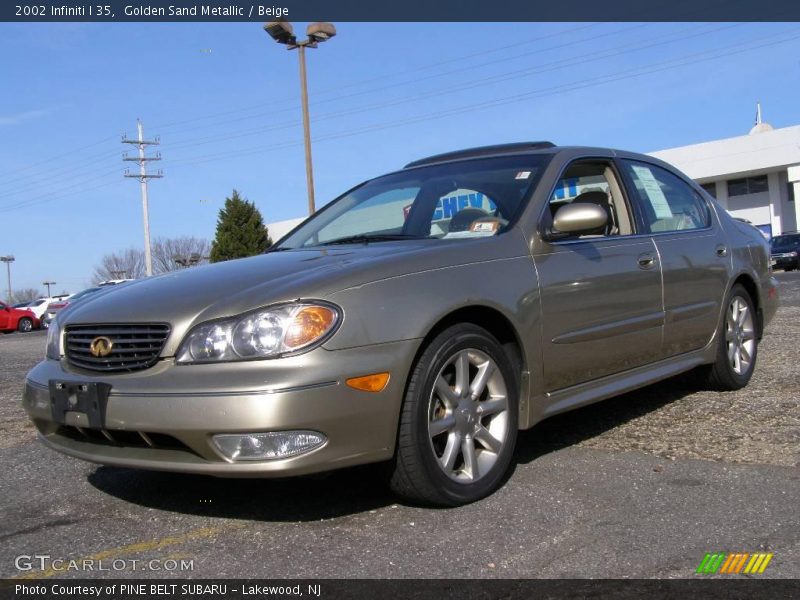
(423,318)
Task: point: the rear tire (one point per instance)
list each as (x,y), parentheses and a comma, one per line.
(737,343)
(24,325)
(458,424)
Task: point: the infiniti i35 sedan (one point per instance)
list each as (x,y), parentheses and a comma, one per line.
(422,318)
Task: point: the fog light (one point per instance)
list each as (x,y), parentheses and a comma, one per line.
(266,446)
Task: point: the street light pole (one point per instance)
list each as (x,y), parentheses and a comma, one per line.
(306,129)
(8,260)
(283,33)
(48,284)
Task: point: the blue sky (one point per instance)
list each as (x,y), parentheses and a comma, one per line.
(224,99)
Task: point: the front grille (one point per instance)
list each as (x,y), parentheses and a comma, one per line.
(133,347)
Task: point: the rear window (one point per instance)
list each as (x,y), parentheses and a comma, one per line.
(785,241)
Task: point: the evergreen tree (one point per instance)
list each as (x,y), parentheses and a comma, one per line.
(240,230)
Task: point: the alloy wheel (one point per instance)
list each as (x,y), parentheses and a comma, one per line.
(468,415)
(740,335)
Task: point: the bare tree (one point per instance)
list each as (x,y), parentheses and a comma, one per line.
(25,295)
(128,264)
(169,252)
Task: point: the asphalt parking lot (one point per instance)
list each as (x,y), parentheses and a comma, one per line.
(642,485)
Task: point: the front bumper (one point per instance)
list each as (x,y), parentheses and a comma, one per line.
(782,261)
(163,418)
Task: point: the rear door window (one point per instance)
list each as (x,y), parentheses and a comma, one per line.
(666,202)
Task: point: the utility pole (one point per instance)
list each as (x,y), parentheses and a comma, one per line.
(48,284)
(8,260)
(143,178)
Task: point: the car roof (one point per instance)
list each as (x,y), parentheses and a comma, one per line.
(481,151)
(521,148)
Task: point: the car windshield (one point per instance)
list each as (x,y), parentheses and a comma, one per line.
(785,241)
(473,198)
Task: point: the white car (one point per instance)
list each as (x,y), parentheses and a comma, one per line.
(47,314)
(39,306)
(62,302)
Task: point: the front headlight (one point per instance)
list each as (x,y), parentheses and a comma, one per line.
(53,350)
(266,333)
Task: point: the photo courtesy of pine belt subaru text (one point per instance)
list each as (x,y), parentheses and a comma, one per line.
(422,318)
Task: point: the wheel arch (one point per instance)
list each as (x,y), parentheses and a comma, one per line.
(502,328)
(492,320)
(749,284)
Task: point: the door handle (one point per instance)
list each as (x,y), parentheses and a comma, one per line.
(646,261)
(722,250)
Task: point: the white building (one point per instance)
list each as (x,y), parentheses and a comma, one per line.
(280,228)
(755,176)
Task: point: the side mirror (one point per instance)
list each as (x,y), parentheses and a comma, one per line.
(579,217)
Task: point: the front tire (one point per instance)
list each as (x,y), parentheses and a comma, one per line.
(24,325)
(737,343)
(458,424)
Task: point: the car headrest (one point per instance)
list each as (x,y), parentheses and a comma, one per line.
(465,217)
(598,197)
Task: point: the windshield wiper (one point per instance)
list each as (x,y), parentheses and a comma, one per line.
(367,238)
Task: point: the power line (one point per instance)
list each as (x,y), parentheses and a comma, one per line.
(685,60)
(48,160)
(45,198)
(85,168)
(68,166)
(292,108)
(528,71)
(381,77)
(59,172)
(63,170)
(542,92)
(194,141)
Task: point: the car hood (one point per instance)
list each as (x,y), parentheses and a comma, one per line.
(196,294)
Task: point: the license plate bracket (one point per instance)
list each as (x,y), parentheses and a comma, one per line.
(90,399)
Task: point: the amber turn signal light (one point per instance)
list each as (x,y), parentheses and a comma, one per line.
(369,383)
(308,325)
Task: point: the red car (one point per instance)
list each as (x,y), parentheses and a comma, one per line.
(16,319)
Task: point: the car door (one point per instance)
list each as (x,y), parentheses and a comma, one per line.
(694,254)
(601,294)
(4,314)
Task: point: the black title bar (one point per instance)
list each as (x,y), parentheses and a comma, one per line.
(410,589)
(406,10)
